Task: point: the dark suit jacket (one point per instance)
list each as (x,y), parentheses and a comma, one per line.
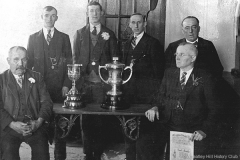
(107,48)
(62,48)
(198,99)
(148,68)
(36,95)
(207,58)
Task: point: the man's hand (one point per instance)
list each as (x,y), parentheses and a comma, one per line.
(20,127)
(64,91)
(198,135)
(35,124)
(151,113)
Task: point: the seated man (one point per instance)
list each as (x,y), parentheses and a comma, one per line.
(25,107)
(186,102)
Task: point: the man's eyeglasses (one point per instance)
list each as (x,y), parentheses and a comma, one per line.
(181,54)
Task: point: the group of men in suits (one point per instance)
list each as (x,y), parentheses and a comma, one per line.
(189,106)
(194,102)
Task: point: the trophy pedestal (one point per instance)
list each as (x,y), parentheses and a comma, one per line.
(114,102)
(73,102)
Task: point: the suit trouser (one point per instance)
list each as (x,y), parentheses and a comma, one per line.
(98,131)
(38,141)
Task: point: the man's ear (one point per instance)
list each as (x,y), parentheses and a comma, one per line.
(194,58)
(56,18)
(145,23)
(8,60)
(102,13)
(182,30)
(41,16)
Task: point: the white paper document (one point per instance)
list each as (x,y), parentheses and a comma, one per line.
(181,146)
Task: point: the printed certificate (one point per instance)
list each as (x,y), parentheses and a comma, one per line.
(181,147)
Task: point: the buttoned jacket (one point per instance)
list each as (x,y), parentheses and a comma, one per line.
(198,99)
(60,46)
(105,48)
(37,97)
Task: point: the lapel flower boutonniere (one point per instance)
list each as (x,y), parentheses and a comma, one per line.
(105,36)
(196,80)
(32,80)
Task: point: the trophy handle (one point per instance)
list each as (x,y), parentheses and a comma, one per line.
(128,67)
(99,68)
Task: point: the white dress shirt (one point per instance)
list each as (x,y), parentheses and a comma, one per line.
(138,37)
(45,32)
(98,28)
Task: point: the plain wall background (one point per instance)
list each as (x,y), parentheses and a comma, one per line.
(218,21)
(20,18)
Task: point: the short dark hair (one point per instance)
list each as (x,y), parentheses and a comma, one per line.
(190,17)
(17,48)
(143,16)
(49,8)
(94,3)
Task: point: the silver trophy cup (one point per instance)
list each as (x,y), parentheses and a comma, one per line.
(73,100)
(113,98)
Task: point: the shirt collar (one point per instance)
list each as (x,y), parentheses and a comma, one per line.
(192,42)
(98,27)
(16,76)
(138,37)
(45,32)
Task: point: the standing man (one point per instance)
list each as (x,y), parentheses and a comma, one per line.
(25,107)
(49,52)
(93,45)
(207,55)
(186,102)
(147,56)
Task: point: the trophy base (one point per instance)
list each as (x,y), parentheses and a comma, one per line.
(73,105)
(115,102)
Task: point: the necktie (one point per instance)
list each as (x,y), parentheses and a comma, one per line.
(183,79)
(19,80)
(49,37)
(133,43)
(94,32)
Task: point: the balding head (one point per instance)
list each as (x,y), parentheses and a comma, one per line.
(17,60)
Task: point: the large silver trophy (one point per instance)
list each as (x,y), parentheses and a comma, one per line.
(113,98)
(73,100)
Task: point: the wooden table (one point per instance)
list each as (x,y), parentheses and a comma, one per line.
(64,124)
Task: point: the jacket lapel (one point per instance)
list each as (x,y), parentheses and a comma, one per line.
(101,41)
(27,84)
(139,50)
(85,40)
(57,41)
(189,87)
(12,85)
(40,49)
